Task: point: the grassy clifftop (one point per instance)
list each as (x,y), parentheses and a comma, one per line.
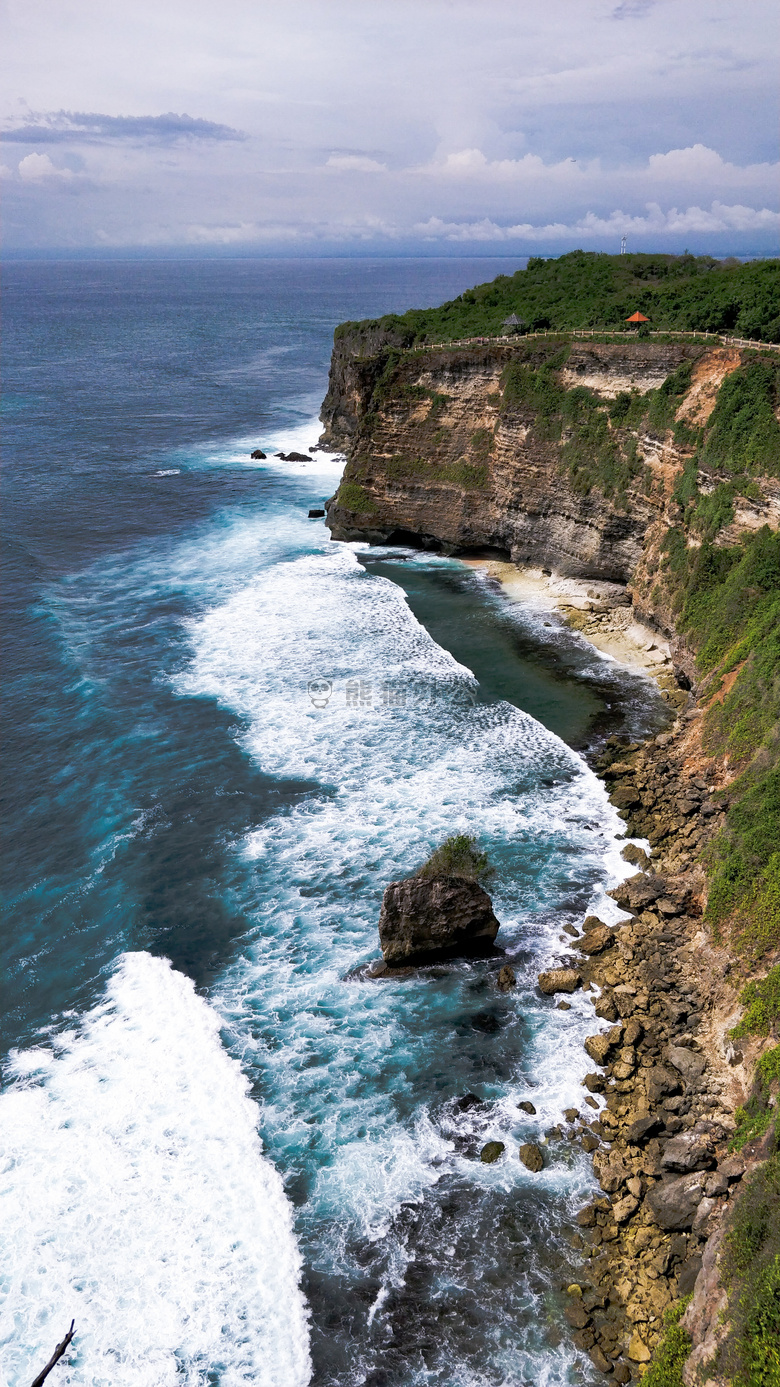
(586,289)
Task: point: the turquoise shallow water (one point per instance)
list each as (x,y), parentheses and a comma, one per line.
(226,1155)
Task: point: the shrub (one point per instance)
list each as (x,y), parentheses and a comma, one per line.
(750,1356)
(671,1353)
(743,433)
(355,498)
(761,999)
(458,856)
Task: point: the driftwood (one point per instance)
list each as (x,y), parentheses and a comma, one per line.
(55,1358)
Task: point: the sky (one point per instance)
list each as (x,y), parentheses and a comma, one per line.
(389,127)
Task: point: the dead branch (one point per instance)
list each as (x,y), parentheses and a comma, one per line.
(55,1358)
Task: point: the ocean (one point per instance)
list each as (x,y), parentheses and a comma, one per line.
(226,1154)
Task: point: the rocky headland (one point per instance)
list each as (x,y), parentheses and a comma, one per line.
(648,471)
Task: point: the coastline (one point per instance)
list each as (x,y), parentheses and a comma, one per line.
(666,997)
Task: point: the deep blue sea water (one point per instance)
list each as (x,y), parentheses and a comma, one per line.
(226,1154)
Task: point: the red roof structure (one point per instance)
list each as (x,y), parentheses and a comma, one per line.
(637,318)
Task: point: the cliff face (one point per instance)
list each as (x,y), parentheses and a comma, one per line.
(436,452)
(540,451)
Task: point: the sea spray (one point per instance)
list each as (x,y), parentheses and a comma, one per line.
(136,1200)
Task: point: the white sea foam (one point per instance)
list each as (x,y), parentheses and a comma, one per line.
(395,780)
(136,1200)
(296,438)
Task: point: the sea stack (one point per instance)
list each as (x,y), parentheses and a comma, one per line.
(425,919)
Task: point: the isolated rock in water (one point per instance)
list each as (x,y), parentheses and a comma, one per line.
(316,514)
(506,978)
(258,455)
(531,1156)
(491,1151)
(429,918)
(559,980)
(527,1107)
(297,457)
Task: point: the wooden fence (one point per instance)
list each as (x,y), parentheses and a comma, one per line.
(511,340)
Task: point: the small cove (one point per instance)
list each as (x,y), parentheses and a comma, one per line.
(530,658)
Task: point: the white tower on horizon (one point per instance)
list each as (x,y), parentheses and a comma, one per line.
(623,246)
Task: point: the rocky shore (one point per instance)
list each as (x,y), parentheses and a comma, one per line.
(668,1075)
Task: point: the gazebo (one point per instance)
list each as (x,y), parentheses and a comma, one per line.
(637,318)
(513,323)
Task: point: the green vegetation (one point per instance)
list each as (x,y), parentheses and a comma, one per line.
(761,1000)
(596,438)
(751,1355)
(743,433)
(760,1111)
(586,289)
(728,603)
(470,476)
(458,856)
(671,1353)
(354,497)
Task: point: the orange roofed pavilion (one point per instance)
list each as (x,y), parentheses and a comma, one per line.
(637,318)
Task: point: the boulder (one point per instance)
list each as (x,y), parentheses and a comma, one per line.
(525,1106)
(643,1128)
(559,980)
(506,979)
(638,891)
(316,514)
(623,1208)
(599,1046)
(625,797)
(686,1062)
(674,1203)
(296,457)
(428,918)
(576,1314)
(688,1151)
(638,1351)
(594,1083)
(491,1151)
(599,1359)
(596,940)
(659,1082)
(531,1156)
(733,1167)
(258,455)
(605,1008)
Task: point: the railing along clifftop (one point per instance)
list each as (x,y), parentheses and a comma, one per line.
(511,339)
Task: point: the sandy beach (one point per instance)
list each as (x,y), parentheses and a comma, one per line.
(600,611)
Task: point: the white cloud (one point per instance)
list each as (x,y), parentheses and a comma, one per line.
(355,163)
(35,167)
(697,164)
(719,218)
